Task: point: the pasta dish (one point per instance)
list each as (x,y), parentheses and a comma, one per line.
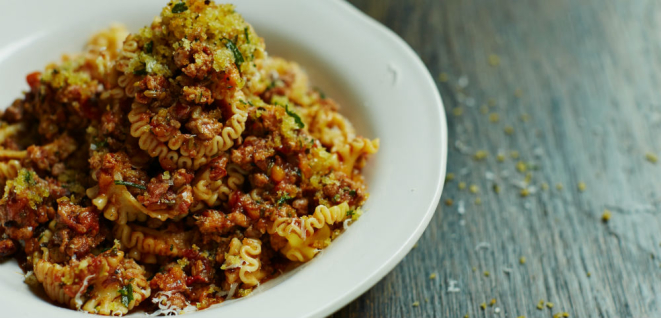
(173,168)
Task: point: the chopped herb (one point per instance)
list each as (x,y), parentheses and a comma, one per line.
(298,120)
(149,46)
(179,7)
(350,213)
(130,184)
(127,294)
(352,192)
(283,199)
(238,57)
(247,35)
(336,198)
(56,71)
(140,72)
(322,95)
(171,247)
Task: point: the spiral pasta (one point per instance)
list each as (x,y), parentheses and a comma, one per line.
(245,256)
(350,152)
(151,242)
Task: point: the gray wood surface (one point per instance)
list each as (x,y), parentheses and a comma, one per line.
(587,73)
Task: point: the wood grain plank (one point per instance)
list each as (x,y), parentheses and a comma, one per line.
(589,72)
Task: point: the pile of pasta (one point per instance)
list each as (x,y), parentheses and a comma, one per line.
(173,168)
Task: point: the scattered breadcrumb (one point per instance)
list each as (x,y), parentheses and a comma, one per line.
(483,306)
(473,188)
(540,305)
(448,202)
(518,93)
(514,154)
(561,314)
(415,304)
(426,299)
(449,177)
(522,260)
(492,102)
(452,288)
(457,111)
(550,305)
(481,245)
(432,276)
(581,186)
(500,157)
(496,188)
(521,166)
(524,192)
(415,245)
(525,118)
(589,274)
(486,273)
(493,302)
(545,186)
(443,77)
(651,157)
(494,60)
(494,117)
(509,130)
(484,109)
(462,185)
(606,216)
(559,186)
(478,201)
(521,317)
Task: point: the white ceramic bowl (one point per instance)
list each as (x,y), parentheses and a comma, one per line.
(382,85)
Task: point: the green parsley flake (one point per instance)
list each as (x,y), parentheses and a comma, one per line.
(179,8)
(130,184)
(297,118)
(149,47)
(127,295)
(238,57)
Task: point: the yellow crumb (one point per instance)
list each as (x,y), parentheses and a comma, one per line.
(481,155)
(514,154)
(559,186)
(496,188)
(474,269)
(651,157)
(500,157)
(524,192)
(478,201)
(518,93)
(449,177)
(550,305)
(462,185)
(522,260)
(581,186)
(448,202)
(493,302)
(606,216)
(540,305)
(525,118)
(484,109)
(494,118)
(415,304)
(473,189)
(545,186)
(565,314)
(426,299)
(432,276)
(589,274)
(457,111)
(509,130)
(491,102)
(483,306)
(486,273)
(528,178)
(415,245)
(443,77)
(521,166)
(494,60)
(521,317)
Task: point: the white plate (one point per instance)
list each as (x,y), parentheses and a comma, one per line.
(381,83)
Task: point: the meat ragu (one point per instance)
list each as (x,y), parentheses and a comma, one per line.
(173,168)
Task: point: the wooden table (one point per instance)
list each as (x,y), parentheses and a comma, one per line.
(573,88)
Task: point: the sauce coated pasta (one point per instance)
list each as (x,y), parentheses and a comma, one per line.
(173,168)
